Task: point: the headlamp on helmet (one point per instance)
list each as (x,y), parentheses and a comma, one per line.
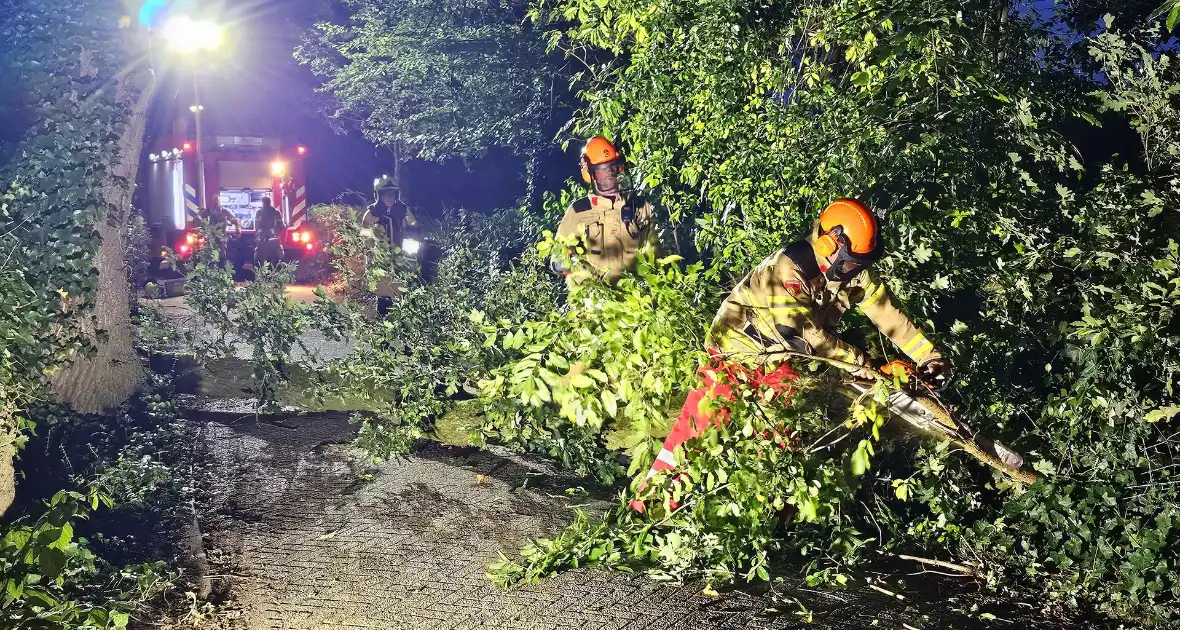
(383,184)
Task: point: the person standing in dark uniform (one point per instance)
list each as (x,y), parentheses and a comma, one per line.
(395,222)
(268,223)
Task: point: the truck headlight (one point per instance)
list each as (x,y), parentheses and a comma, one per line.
(411,246)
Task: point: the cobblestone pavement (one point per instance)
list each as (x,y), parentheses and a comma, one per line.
(323,543)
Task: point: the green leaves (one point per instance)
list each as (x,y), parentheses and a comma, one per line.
(442,79)
(1163,413)
(581,381)
(861,458)
(624,352)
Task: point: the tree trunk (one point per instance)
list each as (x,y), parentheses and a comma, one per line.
(113,373)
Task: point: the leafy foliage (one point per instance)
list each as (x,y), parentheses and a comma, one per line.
(44,566)
(425,353)
(94,556)
(60,122)
(774,465)
(71,78)
(615,359)
(260,314)
(444,78)
(1052,291)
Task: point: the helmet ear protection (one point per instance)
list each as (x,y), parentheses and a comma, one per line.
(826,245)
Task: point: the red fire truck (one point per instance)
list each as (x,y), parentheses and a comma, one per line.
(239,171)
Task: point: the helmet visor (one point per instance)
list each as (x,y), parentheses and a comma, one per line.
(848,263)
(605,176)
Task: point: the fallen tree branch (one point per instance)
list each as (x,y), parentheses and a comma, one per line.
(965,570)
(885,591)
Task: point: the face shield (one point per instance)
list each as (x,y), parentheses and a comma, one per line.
(847,263)
(606,176)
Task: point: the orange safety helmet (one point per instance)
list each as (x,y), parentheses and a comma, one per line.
(599,152)
(849,229)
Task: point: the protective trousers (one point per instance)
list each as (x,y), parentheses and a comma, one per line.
(693,421)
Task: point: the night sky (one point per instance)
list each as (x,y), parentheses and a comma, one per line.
(253,86)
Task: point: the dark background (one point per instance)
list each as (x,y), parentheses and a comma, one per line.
(252,85)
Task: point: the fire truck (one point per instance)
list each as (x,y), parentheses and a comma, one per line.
(239,171)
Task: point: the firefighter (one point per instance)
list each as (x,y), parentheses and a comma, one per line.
(268,223)
(215,214)
(612,225)
(793,300)
(397,224)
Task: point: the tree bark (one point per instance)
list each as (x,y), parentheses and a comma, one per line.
(109,377)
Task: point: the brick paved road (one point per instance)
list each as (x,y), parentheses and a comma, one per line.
(324,547)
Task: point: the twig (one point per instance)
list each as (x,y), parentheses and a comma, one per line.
(940,563)
(908,626)
(929,572)
(880,534)
(886,591)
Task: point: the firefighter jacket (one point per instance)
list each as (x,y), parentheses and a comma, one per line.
(612,232)
(217,214)
(780,303)
(267,222)
(392,222)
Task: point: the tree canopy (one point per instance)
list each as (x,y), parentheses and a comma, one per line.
(445,78)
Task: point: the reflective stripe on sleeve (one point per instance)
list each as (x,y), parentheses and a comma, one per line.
(873,296)
(923,351)
(918,348)
(789,310)
(782,299)
(736,341)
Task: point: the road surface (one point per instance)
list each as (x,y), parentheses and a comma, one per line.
(315,540)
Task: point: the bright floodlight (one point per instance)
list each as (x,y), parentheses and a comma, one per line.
(278,169)
(411,246)
(186,35)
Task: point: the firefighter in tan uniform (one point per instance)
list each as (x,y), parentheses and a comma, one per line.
(793,300)
(611,226)
(391,220)
(796,297)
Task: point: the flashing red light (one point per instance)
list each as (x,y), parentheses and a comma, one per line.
(310,246)
(301,149)
(184,249)
(190,238)
(188,146)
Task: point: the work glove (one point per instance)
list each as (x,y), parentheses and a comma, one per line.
(898,369)
(936,373)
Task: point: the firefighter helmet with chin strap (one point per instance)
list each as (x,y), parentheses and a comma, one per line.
(599,153)
(848,229)
(382,184)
